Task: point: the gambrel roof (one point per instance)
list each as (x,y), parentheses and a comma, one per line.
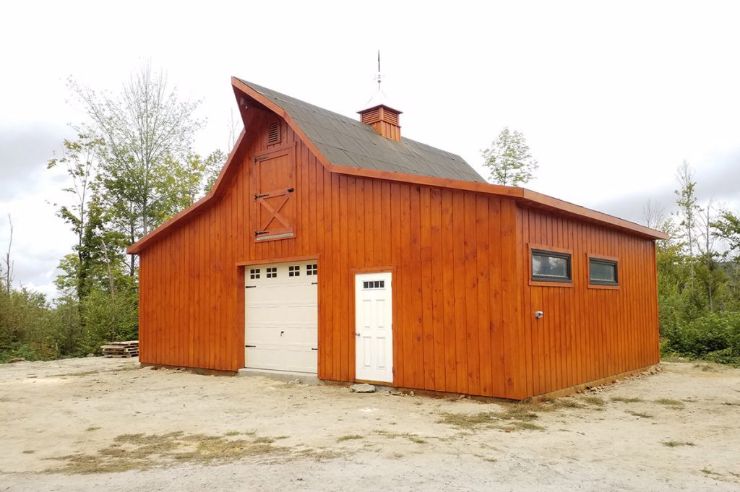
(347,142)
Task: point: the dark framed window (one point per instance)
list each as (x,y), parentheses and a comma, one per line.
(374,284)
(294,271)
(551,266)
(254,273)
(602,271)
(312,269)
(271,272)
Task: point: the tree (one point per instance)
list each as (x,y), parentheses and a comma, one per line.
(8,262)
(147,130)
(653,215)
(509,159)
(727,227)
(688,206)
(80,160)
(183,184)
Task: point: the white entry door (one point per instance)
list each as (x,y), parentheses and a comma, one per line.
(374,327)
(281,318)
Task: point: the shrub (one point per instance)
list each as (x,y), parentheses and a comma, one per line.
(715,336)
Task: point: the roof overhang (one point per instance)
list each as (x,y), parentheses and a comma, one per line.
(523,196)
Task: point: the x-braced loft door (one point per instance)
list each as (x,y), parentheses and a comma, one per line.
(273,179)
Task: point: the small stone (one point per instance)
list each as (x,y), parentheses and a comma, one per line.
(362,388)
(411,393)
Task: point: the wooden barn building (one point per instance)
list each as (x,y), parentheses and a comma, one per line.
(338,247)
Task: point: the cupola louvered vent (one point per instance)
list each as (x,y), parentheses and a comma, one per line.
(371,116)
(273,133)
(384,121)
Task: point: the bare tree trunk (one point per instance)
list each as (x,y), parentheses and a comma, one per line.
(111,283)
(8,262)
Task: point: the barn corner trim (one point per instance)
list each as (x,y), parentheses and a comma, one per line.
(520,195)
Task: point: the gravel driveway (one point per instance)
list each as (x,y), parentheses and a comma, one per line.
(91,424)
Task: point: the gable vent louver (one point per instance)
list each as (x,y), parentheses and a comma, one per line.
(273,133)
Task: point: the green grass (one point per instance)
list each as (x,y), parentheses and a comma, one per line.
(467,421)
(405,435)
(349,437)
(669,402)
(596,401)
(709,472)
(624,399)
(264,440)
(642,415)
(144,451)
(675,444)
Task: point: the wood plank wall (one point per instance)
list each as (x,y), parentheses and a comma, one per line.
(454,329)
(588,333)
(462,316)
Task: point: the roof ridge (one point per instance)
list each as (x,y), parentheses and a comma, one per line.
(262,90)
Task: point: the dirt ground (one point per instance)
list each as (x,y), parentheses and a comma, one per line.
(89,424)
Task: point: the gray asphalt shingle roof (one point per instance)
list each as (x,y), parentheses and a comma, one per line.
(347,142)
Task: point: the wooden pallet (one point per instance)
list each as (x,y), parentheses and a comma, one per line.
(121,349)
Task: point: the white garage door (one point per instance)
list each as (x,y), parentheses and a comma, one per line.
(281,319)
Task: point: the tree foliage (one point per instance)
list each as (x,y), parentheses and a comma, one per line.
(699,299)
(130,167)
(509,159)
(148,133)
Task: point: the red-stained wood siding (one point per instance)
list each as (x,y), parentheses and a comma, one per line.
(588,333)
(462,304)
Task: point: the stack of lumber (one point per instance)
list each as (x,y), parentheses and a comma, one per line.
(121,349)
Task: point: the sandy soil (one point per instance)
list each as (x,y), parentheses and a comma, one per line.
(88,424)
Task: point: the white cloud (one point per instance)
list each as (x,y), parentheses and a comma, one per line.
(612,96)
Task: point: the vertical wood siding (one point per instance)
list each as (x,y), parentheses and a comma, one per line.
(588,333)
(462,318)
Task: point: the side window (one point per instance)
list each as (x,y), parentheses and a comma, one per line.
(602,271)
(551,266)
(271,272)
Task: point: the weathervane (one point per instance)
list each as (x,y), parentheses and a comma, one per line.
(378,97)
(379,77)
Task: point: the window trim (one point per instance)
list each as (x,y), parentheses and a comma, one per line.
(604,259)
(544,248)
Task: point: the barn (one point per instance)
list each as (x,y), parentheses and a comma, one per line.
(335,246)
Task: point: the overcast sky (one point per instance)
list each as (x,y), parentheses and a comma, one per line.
(612,96)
